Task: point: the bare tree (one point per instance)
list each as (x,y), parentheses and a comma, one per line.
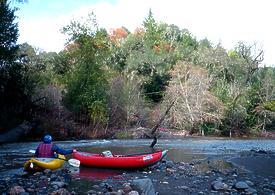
(194,103)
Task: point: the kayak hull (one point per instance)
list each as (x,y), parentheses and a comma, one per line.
(37,164)
(119,161)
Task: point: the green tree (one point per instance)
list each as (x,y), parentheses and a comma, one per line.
(87,81)
(15,87)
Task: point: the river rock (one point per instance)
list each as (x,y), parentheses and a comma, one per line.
(134,193)
(218,185)
(22,174)
(272,185)
(170,170)
(144,185)
(241,185)
(60,184)
(120,192)
(126,188)
(250,191)
(53,177)
(37,174)
(250,183)
(170,164)
(91,192)
(30,190)
(16,190)
(96,187)
(61,191)
(47,171)
(109,187)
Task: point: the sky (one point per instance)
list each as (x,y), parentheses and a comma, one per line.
(221,21)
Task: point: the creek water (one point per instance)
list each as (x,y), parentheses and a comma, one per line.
(12,156)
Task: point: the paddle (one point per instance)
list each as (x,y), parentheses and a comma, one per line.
(73,162)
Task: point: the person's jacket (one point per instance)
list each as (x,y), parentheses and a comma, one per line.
(50,150)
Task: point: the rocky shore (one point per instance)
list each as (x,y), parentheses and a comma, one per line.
(208,176)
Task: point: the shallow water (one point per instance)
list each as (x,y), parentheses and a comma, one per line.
(186,150)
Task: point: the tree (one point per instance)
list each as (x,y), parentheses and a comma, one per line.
(87,80)
(14,85)
(8,35)
(194,105)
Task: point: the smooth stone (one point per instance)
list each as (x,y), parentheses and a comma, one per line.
(241,185)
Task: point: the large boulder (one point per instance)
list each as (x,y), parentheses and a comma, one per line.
(145,186)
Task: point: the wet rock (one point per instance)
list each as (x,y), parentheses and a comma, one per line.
(37,174)
(272,185)
(120,192)
(90,192)
(169,164)
(250,191)
(44,177)
(47,171)
(181,168)
(53,177)
(112,193)
(30,190)
(184,188)
(126,188)
(268,191)
(170,170)
(241,185)
(250,183)
(96,187)
(219,185)
(16,190)
(60,184)
(109,187)
(144,185)
(134,193)
(61,191)
(22,174)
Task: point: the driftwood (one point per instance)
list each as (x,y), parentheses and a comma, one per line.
(154,129)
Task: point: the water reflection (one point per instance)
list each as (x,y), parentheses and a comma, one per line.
(184,155)
(96,174)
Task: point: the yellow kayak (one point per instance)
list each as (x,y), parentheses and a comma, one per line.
(36,164)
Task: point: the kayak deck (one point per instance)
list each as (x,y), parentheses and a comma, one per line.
(44,163)
(119,161)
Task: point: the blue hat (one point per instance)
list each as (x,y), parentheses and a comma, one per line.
(47,139)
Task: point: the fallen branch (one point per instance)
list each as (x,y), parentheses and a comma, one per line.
(154,129)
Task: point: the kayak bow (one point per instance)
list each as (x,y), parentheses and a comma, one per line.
(35,164)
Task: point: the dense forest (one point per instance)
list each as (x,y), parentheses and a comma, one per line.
(110,81)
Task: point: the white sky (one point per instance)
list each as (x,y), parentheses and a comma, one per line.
(225,21)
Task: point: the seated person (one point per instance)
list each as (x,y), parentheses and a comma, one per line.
(47,149)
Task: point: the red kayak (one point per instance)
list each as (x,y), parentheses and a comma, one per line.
(107,160)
